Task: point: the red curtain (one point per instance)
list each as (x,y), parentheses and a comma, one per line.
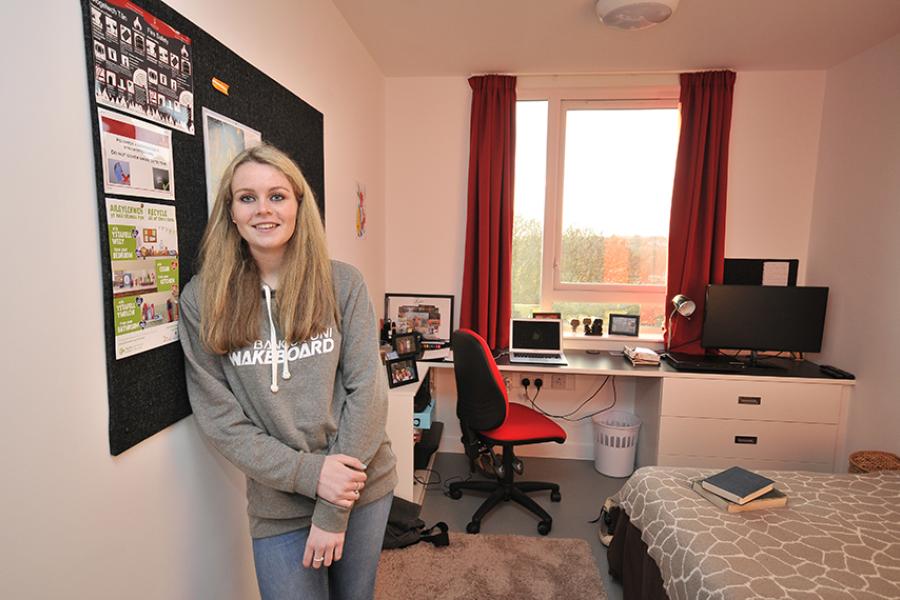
(697,222)
(487,283)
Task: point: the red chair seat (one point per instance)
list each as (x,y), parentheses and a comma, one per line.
(526,425)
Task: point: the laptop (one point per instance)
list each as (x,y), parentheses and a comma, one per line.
(536,341)
(704,364)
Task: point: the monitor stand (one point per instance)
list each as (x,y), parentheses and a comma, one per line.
(754,362)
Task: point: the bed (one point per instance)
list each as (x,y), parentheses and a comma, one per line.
(839,537)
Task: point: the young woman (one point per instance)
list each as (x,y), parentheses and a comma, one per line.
(285,379)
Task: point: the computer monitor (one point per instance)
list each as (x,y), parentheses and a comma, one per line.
(757,318)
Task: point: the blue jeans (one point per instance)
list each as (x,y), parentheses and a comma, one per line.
(281,576)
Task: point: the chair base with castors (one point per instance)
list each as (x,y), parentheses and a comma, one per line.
(505,489)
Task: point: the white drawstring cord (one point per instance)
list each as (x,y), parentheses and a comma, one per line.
(273,341)
(285,373)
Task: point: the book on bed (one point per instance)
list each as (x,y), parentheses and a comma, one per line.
(738,485)
(772,499)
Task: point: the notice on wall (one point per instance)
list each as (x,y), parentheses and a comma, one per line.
(143,252)
(136,157)
(776,272)
(142,65)
(223,139)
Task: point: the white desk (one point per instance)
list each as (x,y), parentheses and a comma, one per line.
(775,420)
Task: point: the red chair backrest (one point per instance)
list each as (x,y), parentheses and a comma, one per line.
(481,399)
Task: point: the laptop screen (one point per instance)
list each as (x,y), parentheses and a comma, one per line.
(536,334)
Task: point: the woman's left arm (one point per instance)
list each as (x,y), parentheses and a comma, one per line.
(362,427)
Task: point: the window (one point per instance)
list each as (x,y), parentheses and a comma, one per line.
(593,192)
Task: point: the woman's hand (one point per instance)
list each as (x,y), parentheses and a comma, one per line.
(322,548)
(341,480)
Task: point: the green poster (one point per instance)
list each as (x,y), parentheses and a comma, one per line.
(143,254)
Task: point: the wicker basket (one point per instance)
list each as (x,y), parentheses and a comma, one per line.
(867,461)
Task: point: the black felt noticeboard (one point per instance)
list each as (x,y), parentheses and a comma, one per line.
(147,391)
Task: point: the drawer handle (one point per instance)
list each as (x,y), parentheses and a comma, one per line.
(745,439)
(757,400)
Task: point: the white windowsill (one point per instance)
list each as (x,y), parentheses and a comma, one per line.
(579,341)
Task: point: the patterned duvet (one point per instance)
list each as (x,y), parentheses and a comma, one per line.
(838,537)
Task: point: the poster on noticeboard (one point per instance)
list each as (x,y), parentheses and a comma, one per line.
(136,157)
(143,253)
(223,139)
(142,65)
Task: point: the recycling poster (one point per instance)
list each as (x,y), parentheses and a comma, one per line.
(143,252)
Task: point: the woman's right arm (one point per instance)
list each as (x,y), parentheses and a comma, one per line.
(222,420)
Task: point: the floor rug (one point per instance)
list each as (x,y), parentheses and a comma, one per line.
(491,567)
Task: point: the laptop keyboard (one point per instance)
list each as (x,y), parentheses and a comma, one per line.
(533,355)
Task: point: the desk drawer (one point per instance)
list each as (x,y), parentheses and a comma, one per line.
(755,400)
(739,439)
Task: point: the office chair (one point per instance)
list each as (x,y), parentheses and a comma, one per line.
(488,419)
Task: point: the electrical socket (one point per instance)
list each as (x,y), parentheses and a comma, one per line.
(562,382)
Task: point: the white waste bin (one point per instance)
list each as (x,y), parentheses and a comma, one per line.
(615,442)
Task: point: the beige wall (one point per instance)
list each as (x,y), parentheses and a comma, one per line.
(774,142)
(854,246)
(772,164)
(427,153)
(167,518)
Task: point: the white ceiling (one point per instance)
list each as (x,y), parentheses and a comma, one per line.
(464,37)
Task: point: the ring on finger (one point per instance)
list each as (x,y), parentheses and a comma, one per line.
(318,559)
(356,493)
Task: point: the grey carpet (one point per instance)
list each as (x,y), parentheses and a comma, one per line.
(491,567)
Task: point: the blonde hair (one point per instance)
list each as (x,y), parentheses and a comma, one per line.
(230,293)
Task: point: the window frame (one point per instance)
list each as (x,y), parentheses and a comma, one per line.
(559,102)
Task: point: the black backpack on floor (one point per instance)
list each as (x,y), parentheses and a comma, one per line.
(405,528)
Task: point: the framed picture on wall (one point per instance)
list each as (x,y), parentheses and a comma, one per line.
(429,314)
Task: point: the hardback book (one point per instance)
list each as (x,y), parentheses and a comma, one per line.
(773,499)
(738,485)
(641,356)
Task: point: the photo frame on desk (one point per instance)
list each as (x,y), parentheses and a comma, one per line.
(401,371)
(429,314)
(624,325)
(406,344)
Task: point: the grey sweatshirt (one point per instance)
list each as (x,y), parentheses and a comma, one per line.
(331,399)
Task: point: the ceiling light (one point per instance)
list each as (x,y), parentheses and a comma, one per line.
(634,14)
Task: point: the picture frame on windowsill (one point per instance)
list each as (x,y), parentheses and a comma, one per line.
(624,325)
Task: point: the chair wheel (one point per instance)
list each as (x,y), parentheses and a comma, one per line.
(544,527)
(475,527)
(518,466)
(555,496)
(455,494)
(498,468)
